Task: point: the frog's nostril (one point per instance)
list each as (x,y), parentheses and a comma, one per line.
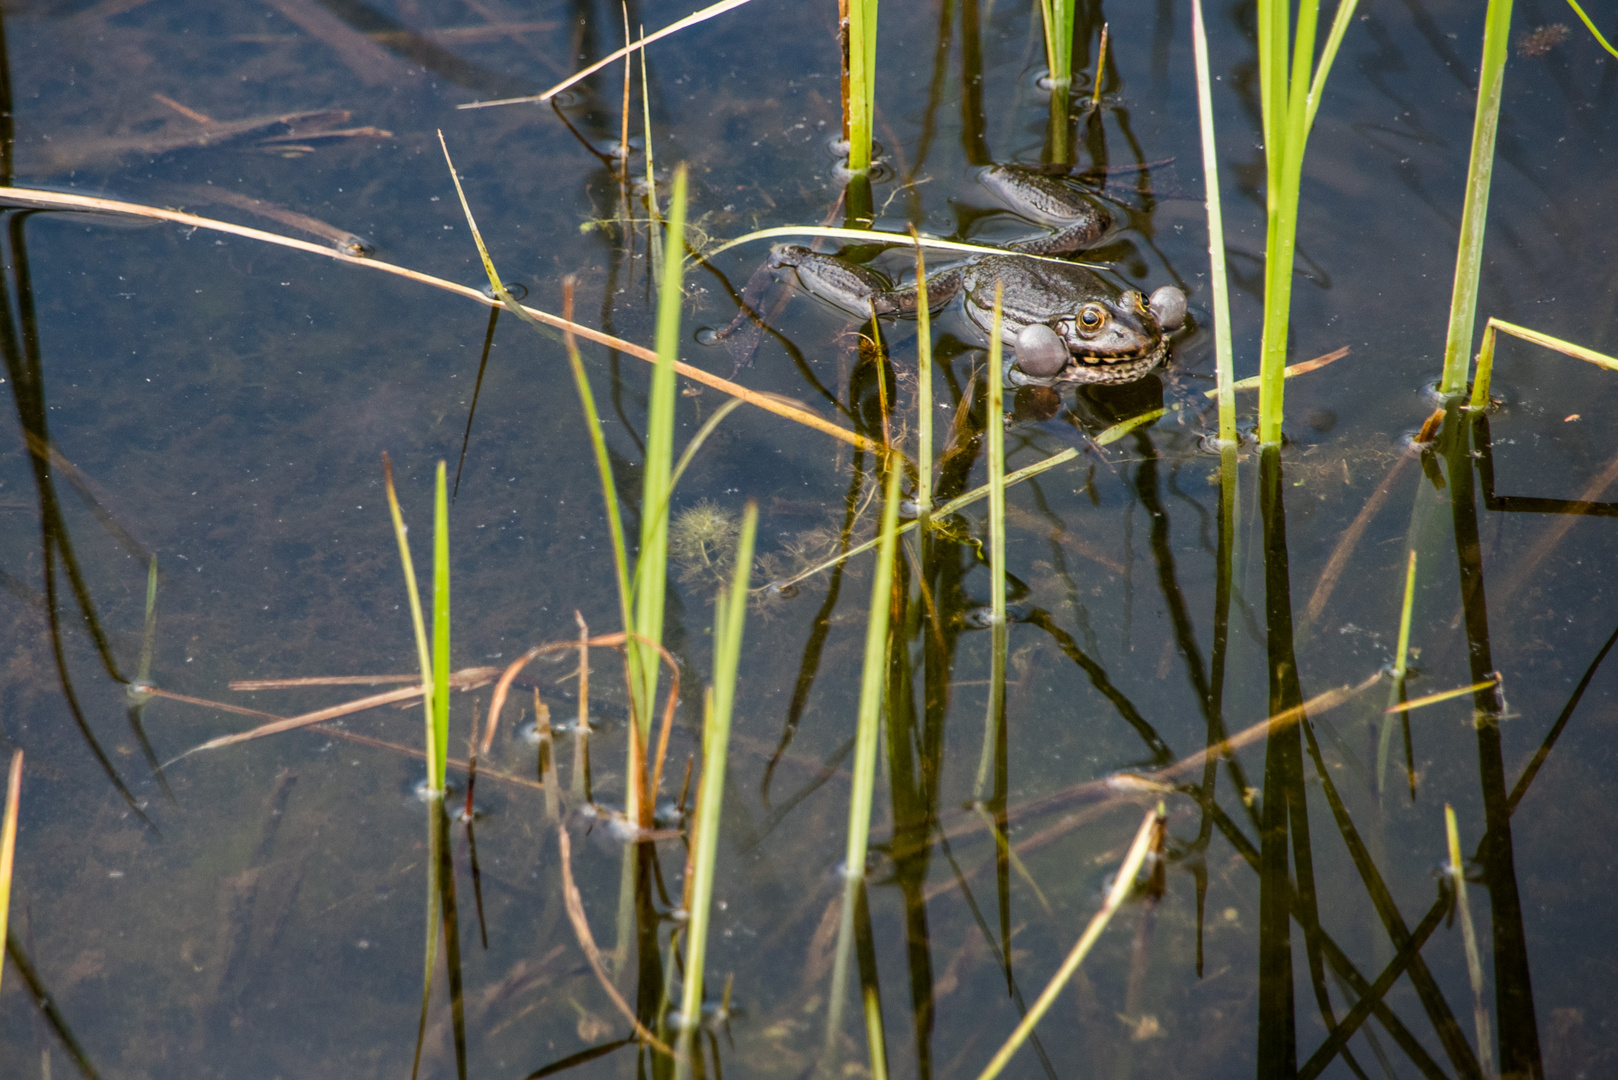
(1168,304)
(1040,352)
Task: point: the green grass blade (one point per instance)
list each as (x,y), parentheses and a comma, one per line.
(995,430)
(872,682)
(1334,39)
(1121,888)
(1590,26)
(877,236)
(423,654)
(440,745)
(1216,233)
(730,615)
(872,679)
(609,488)
(8,839)
(924,390)
(651,562)
(860,106)
(957,503)
(1474,215)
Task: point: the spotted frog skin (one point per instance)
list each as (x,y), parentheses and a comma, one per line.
(1065,323)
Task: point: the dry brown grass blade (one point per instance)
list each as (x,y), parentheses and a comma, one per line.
(465,679)
(587,942)
(1303,368)
(63,201)
(322,680)
(350,736)
(646,39)
(502,689)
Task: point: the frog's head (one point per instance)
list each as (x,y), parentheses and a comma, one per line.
(1108,339)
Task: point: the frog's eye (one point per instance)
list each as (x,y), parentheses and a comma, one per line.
(1092,317)
(1142,305)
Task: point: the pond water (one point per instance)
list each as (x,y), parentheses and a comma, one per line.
(222,405)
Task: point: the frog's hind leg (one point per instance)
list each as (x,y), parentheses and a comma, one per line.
(742,337)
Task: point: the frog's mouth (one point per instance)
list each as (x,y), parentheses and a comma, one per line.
(1113,367)
(1093,368)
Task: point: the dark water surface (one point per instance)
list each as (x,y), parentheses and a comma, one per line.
(223,405)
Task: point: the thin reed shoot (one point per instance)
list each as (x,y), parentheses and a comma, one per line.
(651,561)
(1057,16)
(995,442)
(1101,68)
(1218,280)
(1474,214)
(435,779)
(873,680)
(924,391)
(1289,103)
(730,615)
(859,82)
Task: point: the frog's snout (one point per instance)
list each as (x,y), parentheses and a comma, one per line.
(1168,307)
(1041,352)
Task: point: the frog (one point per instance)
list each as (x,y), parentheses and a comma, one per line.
(1065,323)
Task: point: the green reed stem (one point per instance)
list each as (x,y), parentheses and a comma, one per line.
(440,744)
(1474,215)
(651,564)
(1289,106)
(924,390)
(609,488)
(1217,277)
(730,615)
(860,106)
(995,432)
(1590,26)
(1474,962)
(1121,888)
(872,680)
(424,654)
(8,839)
(1058,19)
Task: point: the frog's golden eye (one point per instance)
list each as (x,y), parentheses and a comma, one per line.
(1092,317)
(1142,305)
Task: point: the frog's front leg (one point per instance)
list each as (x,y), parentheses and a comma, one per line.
(1079,218)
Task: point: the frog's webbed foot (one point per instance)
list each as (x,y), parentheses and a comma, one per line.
(741,338)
